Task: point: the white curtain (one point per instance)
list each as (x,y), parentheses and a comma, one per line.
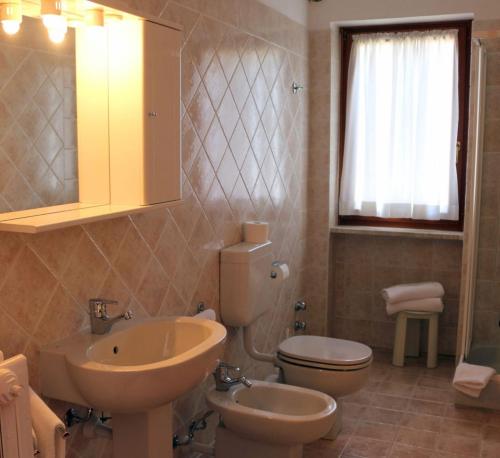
(401,126)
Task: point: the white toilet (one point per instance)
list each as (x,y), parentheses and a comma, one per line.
(334,366)
(248,289)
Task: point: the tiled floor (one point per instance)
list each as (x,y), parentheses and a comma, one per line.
(409,412)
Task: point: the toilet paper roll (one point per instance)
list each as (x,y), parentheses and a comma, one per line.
(208,314)
(280,271)
(255,232)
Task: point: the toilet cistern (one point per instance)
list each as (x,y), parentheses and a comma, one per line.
(100,321)
(223,381)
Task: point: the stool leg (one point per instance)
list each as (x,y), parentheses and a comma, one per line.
(432,342)
(398,355)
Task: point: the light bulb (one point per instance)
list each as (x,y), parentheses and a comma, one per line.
(56,25)
(57,35)
(11,26)
(11,17)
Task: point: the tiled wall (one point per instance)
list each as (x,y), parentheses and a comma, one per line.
(363,265)
(37,120)
(487,305)
(318,192)
(244,157)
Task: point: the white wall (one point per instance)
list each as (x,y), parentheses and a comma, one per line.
(294,9)
(323,13)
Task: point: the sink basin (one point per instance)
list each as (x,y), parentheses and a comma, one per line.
(137,367)
(146,365)
(134,372)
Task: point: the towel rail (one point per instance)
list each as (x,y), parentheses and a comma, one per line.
(16,437)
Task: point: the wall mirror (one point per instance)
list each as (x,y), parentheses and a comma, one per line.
(89,112)
(38,141)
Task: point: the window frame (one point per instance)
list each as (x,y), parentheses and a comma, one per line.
(464,28)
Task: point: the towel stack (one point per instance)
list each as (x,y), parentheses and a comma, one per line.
(471,379)
(415,297)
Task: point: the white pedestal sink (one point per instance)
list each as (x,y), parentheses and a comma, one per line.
(134,372)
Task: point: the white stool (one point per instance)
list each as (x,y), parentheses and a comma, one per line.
(398,356)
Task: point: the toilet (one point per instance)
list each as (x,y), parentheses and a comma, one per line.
(336,367)
(249,285)
(269,419)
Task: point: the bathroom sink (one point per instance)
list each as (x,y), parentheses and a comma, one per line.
(134,368)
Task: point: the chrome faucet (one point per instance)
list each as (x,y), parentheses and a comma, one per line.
(100,321)
(223,381)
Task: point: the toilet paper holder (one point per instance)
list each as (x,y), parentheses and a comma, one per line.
(279,270)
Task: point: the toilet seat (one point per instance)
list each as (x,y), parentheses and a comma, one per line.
(326,367)
(325,353)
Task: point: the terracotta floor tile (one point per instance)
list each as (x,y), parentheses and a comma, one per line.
(434,382)
(395,389)
(463,427)
(367,448)
(467,413)
(433,394)
(389,402)
(381,431)
(491,433)
(417,438)
(406,451)
(457,444)
(427,407)
(490,449)
(392,417)
(422,422)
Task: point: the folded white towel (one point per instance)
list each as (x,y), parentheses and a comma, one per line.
(433,304)
(412,291)
(49,429)
(471,379)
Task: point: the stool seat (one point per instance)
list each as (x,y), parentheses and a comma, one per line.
(398,357)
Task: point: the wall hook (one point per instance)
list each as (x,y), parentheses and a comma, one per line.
(296,87)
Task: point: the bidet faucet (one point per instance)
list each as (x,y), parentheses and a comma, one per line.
(100,321)
(223,381)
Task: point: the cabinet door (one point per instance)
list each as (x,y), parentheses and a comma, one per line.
(162,158)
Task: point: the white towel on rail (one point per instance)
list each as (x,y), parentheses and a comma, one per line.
(421,305)
(412,291)
(471,379)
(49,429)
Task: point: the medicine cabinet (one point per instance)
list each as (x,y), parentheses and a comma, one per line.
(118,151)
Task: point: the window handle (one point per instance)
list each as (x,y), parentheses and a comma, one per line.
(459,151)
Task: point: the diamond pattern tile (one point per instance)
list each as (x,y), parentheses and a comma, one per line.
(201,111)
(215,143)
(227,173)
(239,144)
(228,114)
(215,82)
(239,87)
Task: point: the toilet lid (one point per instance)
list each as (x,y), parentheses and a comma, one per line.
(326,350)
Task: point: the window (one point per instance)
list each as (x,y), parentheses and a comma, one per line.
(404,125)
